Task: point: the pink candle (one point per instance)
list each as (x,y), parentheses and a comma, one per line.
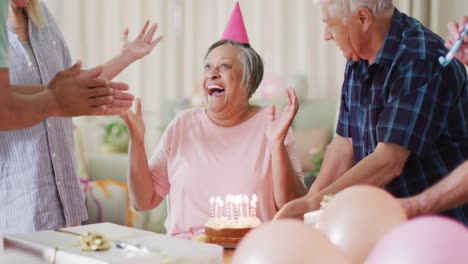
(221,205)
(246,205)
(236,207)
(231,207)
(228,200)
(252,206)
(239,204)
(216,206)
(212,200)
(254,197)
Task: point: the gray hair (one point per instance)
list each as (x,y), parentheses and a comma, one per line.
(344,8)
(252,64)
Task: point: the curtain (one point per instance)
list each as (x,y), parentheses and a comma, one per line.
(434,14)
(287,34)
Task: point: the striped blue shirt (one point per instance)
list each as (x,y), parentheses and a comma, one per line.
(407,98)
(39,185)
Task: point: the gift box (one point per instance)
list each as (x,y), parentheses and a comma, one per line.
(63,246)
(13,256)
(312,218)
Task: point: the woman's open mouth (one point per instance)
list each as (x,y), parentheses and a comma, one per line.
(215,90)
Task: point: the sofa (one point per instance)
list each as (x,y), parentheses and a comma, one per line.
(314,127)
(108,201)
(104,175)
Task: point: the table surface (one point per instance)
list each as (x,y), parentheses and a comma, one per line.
(228,256)
(227,253)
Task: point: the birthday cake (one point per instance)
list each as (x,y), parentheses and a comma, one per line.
(231,219)
(313,217)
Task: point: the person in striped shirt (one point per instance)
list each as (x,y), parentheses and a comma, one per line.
(39,187)
(65,95)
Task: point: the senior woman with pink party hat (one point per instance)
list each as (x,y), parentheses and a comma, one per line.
(229,146)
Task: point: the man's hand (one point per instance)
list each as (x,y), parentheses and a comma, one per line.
(410,206)
(455,30)
(122,101)
(297,208)
(76,92)
(73,96)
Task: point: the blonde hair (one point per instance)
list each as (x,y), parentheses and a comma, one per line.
(34,12)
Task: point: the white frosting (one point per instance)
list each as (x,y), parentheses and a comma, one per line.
(236,211)
(242,222)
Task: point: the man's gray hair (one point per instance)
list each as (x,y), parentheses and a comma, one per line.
(344,8)
(252,64)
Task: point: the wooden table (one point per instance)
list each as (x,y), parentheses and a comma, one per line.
(228,256)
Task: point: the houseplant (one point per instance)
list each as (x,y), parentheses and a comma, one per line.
(116,137)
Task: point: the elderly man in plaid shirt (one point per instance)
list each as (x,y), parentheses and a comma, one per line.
(403,121)
(452,189)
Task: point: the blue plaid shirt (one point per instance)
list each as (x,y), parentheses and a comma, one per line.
(407,98)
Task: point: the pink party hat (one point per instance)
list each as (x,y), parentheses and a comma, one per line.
(235,29)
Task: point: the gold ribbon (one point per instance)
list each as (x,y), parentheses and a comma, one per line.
(92,241)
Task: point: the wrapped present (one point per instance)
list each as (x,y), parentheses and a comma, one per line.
(14,256)
(312,218)
(107,243)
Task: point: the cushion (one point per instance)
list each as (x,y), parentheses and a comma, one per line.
(80,154)
(108,201)
(308,143)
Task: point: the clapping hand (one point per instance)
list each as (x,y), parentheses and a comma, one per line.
(278,127)
(79,92)
(116,101)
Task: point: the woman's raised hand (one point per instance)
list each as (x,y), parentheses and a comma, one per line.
(143,44)
(134,121)
(278,127)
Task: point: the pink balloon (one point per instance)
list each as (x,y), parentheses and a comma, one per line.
(286,241)
(272,87)
(428,240)
(358,217)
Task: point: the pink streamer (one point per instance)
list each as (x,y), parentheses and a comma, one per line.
(87,187)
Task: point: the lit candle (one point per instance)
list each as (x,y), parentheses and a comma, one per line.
(246,204)
(212,201)
(231,206)
(216,206)
(236,206)
(254,199)
(228,200)
(239,205)
(252,206)
(221,205)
